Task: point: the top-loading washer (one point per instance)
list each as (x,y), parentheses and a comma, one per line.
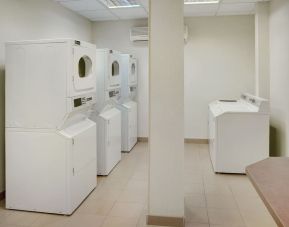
(238,133)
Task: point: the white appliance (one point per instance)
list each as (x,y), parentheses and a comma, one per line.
(128,102)
(106,115)
(128,125)
(137,34)
(238,133)
(50,142)
(109,131)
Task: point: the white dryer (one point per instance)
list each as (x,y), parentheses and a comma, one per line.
(50,142)
(238,133)
(108,118)
(128,104)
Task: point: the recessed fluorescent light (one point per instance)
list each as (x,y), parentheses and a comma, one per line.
(191,2)
(114,4)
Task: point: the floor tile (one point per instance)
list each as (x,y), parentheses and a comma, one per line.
(50,220)
(119,222)
(97,207)
(85,221)
(139,196)
(126,210)
(196,215)
(195,200)
(225,217)
(196,225)
(221,201)
(20,218)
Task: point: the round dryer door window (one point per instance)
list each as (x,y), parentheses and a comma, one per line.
(115,68)
(84,69)
(133,68)
(84,66)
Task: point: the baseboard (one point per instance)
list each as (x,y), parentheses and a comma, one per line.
(187,140)
(166,221)
(142,139)
(197,141)
(2,195)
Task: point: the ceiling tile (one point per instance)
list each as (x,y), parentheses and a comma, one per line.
(200,9)
(129,13)
(236,8)
(97,14)
(239,1)
(80,5)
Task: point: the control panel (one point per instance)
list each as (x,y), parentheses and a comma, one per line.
(83,101)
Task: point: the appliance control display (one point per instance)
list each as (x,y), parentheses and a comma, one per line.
(132,89)
(113,93)
(77,102)
(81,101)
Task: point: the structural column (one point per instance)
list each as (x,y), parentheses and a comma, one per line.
(166,113)
(262,69)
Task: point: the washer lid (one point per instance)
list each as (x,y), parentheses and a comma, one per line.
(221,107)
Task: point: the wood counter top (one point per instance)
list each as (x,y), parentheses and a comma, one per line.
(270,178)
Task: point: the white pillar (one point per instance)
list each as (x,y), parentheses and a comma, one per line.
(166,113)
(262,69)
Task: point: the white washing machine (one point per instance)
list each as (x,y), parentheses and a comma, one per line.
(128,104)
(238,133)
(50,142)
(129,125)
(108,118)
(109,140)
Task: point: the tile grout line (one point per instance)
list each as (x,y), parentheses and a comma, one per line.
(239,209)
(204,191)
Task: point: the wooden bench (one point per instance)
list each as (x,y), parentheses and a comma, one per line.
(270,178)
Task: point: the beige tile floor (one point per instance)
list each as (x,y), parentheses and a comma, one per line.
(120,200)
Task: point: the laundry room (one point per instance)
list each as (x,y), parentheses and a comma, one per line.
(144,113)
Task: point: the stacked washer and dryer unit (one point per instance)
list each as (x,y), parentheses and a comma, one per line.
(107,116)
(50,142)
(238,133)
(128,104)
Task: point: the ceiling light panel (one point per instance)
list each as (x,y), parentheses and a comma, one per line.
(98,15)
(197,2)
(113,4)
(130,13)
(80,5)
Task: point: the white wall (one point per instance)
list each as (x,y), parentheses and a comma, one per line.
(33,19)
(219,63)
(115,35)
(262,69)
(279,76)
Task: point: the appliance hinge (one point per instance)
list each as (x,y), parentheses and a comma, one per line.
(72,141)
(73,171)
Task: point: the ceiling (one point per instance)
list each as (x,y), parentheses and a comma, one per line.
(95,10)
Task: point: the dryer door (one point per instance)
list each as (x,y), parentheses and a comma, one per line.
(114,71)
(84,69)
